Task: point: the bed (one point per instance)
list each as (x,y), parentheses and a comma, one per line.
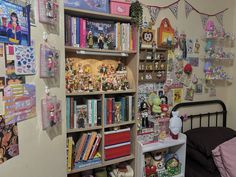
(207,131)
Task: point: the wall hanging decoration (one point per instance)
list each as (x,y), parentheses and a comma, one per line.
(24,60)
(51,111)
(154,10)
(20,102)
(166,33)
(9,147)
(48,11)
(204,16)
(148,36)
(15,23)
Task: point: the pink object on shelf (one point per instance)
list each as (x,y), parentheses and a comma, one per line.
(120,7)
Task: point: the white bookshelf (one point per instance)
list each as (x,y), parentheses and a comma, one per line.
(176,146)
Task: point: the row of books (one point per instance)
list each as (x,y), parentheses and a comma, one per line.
(89,33)
(85,151)
(118,109)
(85,115)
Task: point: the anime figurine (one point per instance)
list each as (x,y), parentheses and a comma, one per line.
(196,46)
(183,45)
(90,39)
(52,116)
(144,114)
(14,30)
(154,50)
(49,8)
(110,42)
(101,41)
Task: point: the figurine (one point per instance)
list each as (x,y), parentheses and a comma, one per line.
(90,39)
(210,29)
(144,114)
(49,8)
(183,45)
(110,42)
(101,41)
(175,124)
(172,164)
(154,50)
(196,46)
(52,115)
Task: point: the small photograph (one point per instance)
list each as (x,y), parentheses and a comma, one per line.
(199,88)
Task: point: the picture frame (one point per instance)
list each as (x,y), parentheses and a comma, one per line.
(148,36)
(14,23)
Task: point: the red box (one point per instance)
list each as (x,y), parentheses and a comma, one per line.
(117,136)
(118,150)
(120,7)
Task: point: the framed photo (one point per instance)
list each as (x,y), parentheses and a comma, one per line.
(14,23)
(148,36)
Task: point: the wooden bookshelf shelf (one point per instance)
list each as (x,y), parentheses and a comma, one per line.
(86,168)
(120,124)
(118,160)
(98,52)
(84,129)
(102,92)
(97,15)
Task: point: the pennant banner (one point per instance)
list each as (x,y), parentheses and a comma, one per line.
(204,19)
(219,17)
(188,9)
(174,9)
(153,11)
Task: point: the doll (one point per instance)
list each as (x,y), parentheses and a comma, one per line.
(51,109)
(183,45)
(101,41)
(90,39)
(144,114)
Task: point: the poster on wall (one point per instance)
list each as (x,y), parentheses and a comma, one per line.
(8,141)
(14,23)
(20,102)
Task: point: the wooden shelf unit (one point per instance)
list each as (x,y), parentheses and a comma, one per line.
(95,56)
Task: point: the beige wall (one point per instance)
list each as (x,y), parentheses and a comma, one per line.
(231,91)
(39,155)
(192,26)
(42,157)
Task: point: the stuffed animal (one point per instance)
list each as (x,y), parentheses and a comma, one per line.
(150,169)
(172,164)
(175,125)
(155,102)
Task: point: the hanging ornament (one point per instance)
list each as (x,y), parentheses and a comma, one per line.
(219,17)
(204,19)
(188,9)
(174,9)
(153,11)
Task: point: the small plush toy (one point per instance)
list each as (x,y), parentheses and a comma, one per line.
(175,125)
(150,169)
(188,69)
(155,102)
(172,164)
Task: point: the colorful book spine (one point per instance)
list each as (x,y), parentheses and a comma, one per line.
(71,112)
(68,112)
(79,147)
(75,115)
(90,145)
(85,146)
(70,144)
(73,31)
(95,112)
(77,32)
(118,47)
(89,106)
(134,36)
(82,33)
(99,112)
(95,146)
(105,111)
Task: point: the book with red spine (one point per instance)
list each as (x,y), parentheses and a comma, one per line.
(95,146)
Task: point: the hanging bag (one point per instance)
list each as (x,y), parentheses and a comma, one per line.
(166,33)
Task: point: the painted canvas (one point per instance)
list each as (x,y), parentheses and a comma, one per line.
(14,23)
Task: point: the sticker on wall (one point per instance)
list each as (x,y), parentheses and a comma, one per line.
(189,94)
(189,46)
(177,96)
(197,47)
(194,61)
(198,88)
(24,60)
(20,102)
(9,147)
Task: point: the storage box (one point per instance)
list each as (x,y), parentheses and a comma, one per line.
(117,136)
(120,7)
(93,5)
(118,150)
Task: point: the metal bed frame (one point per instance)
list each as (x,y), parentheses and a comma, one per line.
(200,116)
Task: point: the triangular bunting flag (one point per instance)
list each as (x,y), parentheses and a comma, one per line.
(220,18)
(174,9)
(188,9)
(153,11)
(204,19)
